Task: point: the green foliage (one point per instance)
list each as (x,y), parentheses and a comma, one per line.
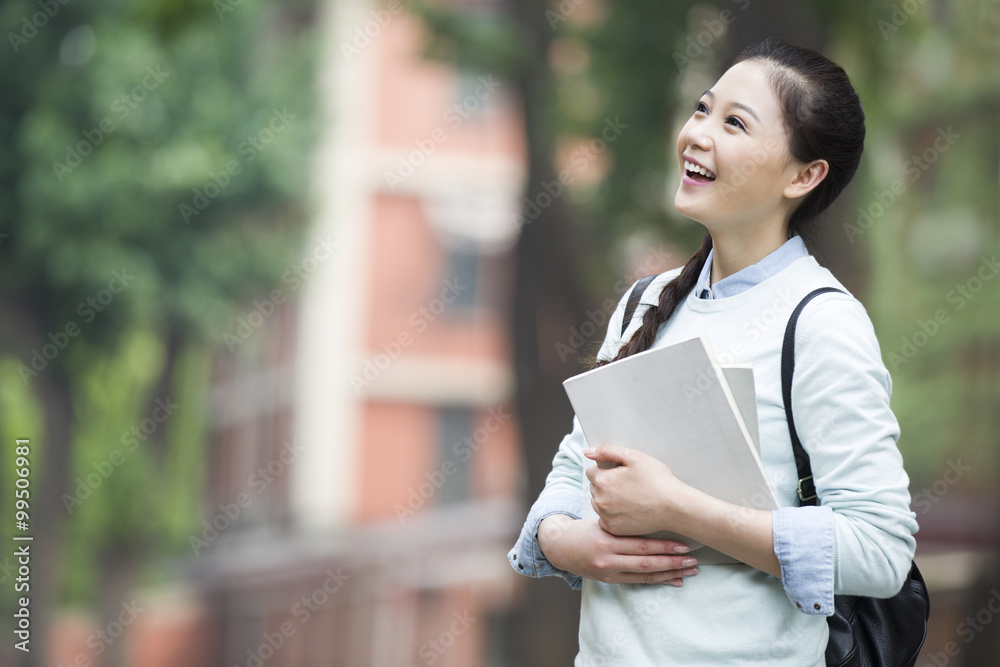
(622,47)
(123,495)
(476,38)
(22,419)
(153,180)
(178,103)
(931,79)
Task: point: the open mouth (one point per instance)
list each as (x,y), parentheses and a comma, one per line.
(698,173)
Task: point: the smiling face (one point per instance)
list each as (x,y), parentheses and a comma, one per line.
(733,154)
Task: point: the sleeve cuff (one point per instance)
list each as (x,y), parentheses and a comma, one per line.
(526,556)
(804,543)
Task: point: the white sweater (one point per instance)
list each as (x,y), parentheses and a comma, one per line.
(734,614)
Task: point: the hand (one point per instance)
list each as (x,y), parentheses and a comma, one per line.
(641,496)
(582,547)
(638,497)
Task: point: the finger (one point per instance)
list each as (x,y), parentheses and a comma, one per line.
(607,452)
(593,471)
(662,564)
(649,545)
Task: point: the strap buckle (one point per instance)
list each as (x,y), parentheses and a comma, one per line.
(806,485)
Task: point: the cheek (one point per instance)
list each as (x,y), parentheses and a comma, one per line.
(761,187)
(760,170)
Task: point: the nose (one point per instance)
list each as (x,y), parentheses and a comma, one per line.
(697,136)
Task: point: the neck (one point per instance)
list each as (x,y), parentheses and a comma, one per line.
(733,251)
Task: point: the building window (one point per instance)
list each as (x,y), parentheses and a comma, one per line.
(454,455)
(472,97)
(463,274)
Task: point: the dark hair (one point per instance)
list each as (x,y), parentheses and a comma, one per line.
(823,119)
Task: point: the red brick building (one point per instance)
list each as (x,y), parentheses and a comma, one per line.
(378,401)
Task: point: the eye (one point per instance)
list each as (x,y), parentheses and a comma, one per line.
(736,122)
(700,107)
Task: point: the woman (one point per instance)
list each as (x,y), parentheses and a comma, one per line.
(768,147)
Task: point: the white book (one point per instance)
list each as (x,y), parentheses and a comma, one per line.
(740,378)
(679,405)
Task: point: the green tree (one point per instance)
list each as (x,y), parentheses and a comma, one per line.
(150,183)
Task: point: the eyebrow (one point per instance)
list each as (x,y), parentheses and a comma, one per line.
(738,105)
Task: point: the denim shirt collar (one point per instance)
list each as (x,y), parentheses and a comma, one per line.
(745,278)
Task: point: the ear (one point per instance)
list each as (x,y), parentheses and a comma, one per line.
(807,178)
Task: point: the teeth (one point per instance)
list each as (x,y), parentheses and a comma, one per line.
(690,166)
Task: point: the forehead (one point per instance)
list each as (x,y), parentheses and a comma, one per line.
(746,83)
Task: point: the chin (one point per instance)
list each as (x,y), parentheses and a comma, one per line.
(688,209)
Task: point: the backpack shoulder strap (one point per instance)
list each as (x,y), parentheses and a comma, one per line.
(806,487)
(633,300)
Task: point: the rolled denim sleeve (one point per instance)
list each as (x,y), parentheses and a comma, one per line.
(804,543)
(526,556)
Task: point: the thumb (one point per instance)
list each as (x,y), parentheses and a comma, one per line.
(609,453)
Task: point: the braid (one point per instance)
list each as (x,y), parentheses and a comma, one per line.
(671,295)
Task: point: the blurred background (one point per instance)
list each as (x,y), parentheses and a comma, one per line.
(288,291)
